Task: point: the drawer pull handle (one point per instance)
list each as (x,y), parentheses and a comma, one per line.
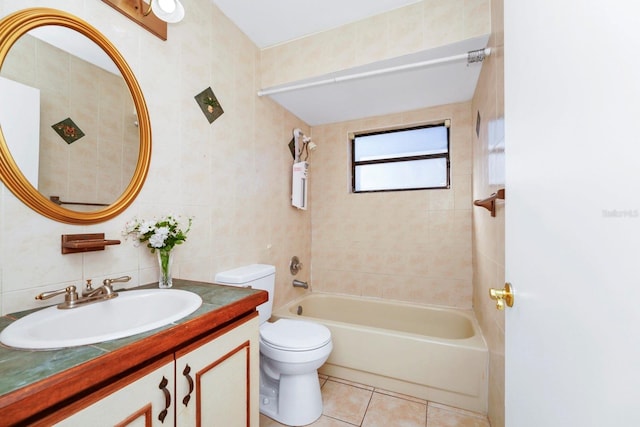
(167,399)
(186,372)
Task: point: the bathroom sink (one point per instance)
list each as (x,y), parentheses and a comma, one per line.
(132,312)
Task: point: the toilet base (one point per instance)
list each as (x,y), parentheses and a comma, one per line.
(294,400)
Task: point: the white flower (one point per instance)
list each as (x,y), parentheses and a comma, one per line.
(164,233)
(130,227)
(157,240)
(146,226)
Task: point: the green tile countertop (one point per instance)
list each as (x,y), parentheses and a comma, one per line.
(21,368)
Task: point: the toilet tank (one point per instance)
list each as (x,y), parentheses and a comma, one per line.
(255,276)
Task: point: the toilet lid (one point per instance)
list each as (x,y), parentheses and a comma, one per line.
(296,335)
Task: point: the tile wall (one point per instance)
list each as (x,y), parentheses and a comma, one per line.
(413,246)
(233,175)
(488,232)
(409,245)
(423,25)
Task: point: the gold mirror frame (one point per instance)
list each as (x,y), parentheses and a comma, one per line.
(14,26)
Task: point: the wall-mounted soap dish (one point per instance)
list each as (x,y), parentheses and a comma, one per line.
(74,243)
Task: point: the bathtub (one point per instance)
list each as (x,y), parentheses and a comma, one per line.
(433,353)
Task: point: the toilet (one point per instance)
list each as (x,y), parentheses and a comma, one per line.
(291,351)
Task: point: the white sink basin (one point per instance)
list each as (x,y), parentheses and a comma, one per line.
(132,312)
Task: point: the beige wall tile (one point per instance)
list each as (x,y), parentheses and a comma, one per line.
(444,22)
(488,232)
(477,17)
(413,28)
(412,246)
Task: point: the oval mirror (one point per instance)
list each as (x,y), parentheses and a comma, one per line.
(75,136)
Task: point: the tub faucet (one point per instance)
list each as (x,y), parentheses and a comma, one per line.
(300,284)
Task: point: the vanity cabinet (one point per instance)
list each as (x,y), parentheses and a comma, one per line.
(217,381)
(117,383)
(139,403)
(210,382)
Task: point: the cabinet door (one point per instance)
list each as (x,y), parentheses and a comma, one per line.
(144,403)
(217,379)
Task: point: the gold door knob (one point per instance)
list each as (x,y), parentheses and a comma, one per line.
(502,296)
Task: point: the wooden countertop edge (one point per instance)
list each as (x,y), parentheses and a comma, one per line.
(90,376)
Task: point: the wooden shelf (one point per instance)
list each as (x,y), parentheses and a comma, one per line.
(74,243)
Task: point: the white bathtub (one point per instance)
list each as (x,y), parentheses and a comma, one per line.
(433,353)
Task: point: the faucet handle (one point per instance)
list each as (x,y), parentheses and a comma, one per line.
(295,265)
(69,292)
(88,288)
(108,282)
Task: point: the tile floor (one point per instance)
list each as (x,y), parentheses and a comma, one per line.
(347,404)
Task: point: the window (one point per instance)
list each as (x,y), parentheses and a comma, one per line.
(414,158)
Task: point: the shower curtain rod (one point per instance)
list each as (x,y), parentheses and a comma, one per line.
(471,57)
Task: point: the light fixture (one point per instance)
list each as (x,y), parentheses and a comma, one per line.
(170,11)
(153,15)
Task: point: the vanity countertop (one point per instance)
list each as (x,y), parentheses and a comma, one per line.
(39,379)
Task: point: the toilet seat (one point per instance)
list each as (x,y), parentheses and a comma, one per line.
(294,335)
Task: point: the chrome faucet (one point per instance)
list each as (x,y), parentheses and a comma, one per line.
(89,295)
(300,284)
(106,289)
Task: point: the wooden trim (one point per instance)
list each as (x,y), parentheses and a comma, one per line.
(135,10)
(218,333)
(143,412)
(100,394)
(248,376)
(246,346)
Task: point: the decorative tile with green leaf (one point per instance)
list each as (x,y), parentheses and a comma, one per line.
(209,104)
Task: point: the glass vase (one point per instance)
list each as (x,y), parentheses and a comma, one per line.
(165,261)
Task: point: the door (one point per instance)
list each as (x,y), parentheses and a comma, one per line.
(572,115)
(20,125)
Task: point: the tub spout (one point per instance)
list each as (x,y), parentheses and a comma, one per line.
(300,284)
